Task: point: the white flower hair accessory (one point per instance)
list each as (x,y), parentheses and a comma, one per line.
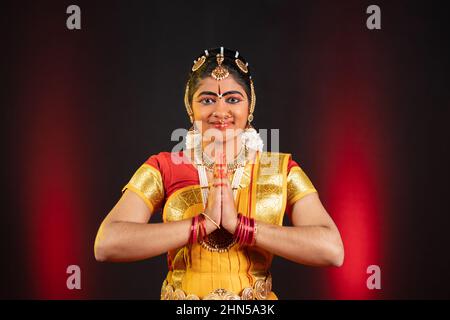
(251,138)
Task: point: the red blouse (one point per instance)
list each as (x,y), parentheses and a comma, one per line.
(180,172)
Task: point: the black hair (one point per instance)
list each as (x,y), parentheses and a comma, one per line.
(211,63)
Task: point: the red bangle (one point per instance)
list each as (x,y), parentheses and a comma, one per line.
(237,232)
(252,242)
(243,230)
(194,234)
(199,229)
(202,228)
(252,230)
(249,232)
(191,231)
(245,234)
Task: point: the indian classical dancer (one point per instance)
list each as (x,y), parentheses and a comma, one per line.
(223,199)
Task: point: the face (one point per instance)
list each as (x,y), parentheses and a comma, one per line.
(220,108)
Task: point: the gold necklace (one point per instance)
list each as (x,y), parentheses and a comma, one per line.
(237,162)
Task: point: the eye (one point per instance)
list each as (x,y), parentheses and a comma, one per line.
(233,100)
(207,101)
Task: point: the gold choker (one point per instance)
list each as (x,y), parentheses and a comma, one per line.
(239,161)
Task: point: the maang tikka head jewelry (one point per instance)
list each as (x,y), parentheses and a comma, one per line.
(220,72)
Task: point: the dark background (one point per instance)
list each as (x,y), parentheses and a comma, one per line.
(365,114)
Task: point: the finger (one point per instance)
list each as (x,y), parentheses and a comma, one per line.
(218,178)
(227,193)
(217,187)
(221,163)
(224,164)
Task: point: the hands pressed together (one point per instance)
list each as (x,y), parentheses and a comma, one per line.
(220,205)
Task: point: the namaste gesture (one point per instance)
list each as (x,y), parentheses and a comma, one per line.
(220,205)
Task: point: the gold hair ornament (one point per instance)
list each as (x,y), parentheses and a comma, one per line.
(187,104)
(241,65)
(252,102)
(220,72)
(198,63)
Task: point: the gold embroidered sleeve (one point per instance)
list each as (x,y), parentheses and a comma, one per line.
(147,184)
(298,185)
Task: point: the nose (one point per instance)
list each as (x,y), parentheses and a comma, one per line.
(222,110)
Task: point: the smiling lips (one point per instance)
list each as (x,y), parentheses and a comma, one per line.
(222,125)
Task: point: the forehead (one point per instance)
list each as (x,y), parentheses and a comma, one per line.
(227,84)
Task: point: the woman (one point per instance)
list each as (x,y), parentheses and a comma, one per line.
(223,199)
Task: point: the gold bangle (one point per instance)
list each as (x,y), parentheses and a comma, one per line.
(210,219)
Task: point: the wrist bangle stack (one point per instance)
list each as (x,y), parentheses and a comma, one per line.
(198,229)
(245,233)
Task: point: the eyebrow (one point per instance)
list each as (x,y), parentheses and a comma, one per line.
(210,93)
